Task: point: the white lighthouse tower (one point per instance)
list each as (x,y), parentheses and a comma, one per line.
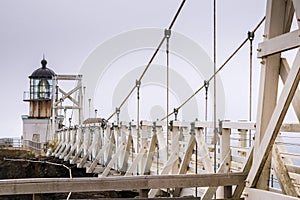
(37,125)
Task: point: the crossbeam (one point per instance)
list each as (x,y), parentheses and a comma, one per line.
(64,185)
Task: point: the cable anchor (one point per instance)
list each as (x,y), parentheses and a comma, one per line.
(251,35)
(206,85)
(118,115)
(176,113)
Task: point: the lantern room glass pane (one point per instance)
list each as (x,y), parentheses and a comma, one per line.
(40,89)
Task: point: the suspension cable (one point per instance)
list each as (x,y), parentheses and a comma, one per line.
(251,38)
(167,36)
(215,88)
(206,85)
(219,69)
(151,59)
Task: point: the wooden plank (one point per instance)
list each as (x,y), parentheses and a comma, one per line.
(290,155)
(289,14)
(238,159)
(276,121)
(123,162)
(68,77)
(68,96)
(296,4)
(95,162)
(282,173)
(149,161)
(168,166)
(224,168)
(59,185)
(256,194)
(284,71)
(113,161)
(294,128)
(185,162)
(274,26)
(245,169)
(238,125)
(279,44)
(293,169)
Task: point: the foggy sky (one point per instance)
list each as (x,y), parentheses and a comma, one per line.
(66,31)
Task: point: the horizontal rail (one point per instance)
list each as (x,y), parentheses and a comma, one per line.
(64,185)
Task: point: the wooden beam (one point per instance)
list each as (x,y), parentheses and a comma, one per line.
(282,174)
(279,44)
(62,185)
(68,96)
(276,120)
(113,161)
(149,161)
(256,194)
(295,128)
(67,77)
(185,161)
(289,14)
(293,169)
(224,168)
(238,125)
(168,166)
(296,4)
(245,169)
(284,71)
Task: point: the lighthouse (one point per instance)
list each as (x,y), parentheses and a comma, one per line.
(37,124)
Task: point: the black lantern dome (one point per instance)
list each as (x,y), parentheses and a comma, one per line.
(43,72)
(41,83)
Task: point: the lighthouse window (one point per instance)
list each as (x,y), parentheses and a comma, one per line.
(44,89)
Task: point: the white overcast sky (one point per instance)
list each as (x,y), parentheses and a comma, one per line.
(68,30)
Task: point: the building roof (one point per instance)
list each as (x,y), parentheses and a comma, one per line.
(43,72)
(93,120)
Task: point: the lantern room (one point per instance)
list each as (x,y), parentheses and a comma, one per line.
(41,83)
(40,92)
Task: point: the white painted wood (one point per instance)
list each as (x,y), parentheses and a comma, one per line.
(296,4)
(295,128)
(113,160)
(162,144)
(68,77)
(242,141)
(245,169)
(293,168)
(238,125)
(123,158)
(279,44)
(203,151)
(256,194)
(284,71)
(68,95)
(150,155)
(224,168)
(274,26)
(96,143)
(96,161)
(133,169)
(185,161)
(110,139)
(63,185)
(282,174)
(276,121)
(173,159)
(289,14)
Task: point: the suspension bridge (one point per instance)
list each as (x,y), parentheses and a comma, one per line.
(219,159)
